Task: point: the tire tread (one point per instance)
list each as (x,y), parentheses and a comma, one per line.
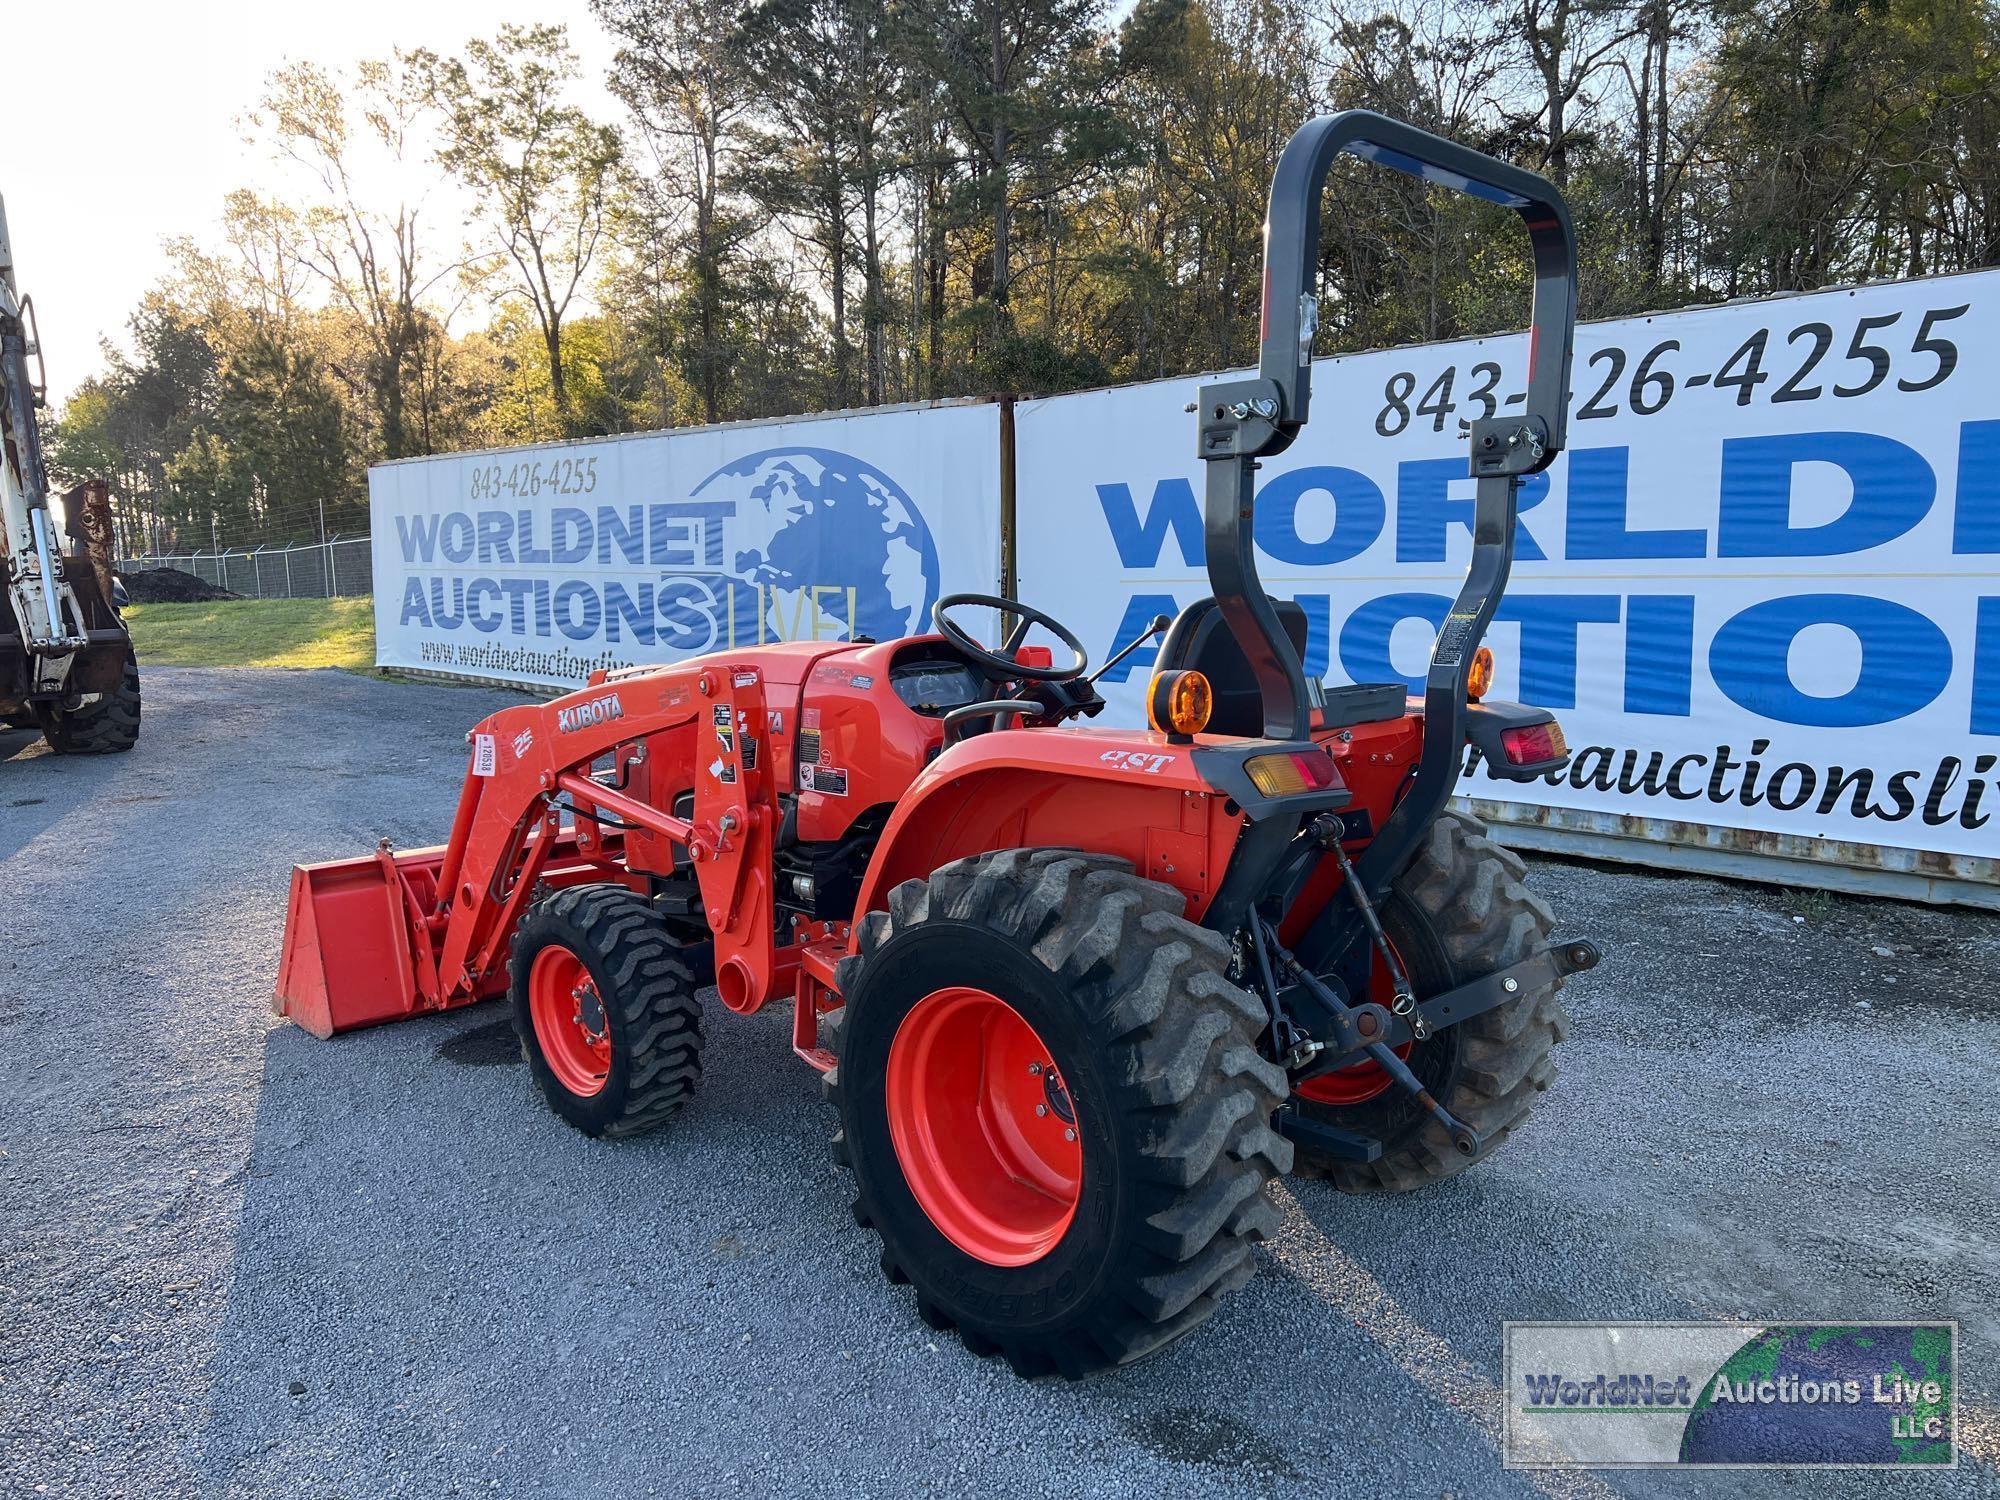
(1179,1046)
(1473,894)
(654,981)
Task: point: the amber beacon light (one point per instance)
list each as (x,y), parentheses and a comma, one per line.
(1179,703)
(1479,679)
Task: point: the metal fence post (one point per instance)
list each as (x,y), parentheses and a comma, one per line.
(220,559)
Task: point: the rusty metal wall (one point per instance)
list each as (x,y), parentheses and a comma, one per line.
(1745,853)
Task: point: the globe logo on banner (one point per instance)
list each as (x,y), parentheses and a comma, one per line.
(821,534)
(1916,1360)
(553,567)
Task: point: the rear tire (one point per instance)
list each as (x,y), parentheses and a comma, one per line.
(605,1009)
(1461,910)
(105,727)
(1159,1073)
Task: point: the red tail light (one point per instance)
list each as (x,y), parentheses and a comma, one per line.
(1534,744)
(1289,773)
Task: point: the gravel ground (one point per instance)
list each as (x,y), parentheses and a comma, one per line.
(238,1261)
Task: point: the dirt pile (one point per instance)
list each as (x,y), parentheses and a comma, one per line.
(171,586)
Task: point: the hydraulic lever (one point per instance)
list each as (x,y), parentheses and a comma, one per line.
(1160,626)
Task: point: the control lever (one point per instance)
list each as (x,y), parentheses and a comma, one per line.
(1160,626)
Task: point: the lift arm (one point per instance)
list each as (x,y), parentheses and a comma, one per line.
(385,935)
(29,551)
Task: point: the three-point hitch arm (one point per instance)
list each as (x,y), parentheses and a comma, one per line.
(1243,420)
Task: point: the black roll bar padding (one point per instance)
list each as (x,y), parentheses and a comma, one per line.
(1291,255)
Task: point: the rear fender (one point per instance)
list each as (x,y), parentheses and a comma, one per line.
(1122,792)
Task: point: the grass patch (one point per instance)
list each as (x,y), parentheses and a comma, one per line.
(257,633)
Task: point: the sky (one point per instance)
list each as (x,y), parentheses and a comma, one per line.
(120,130)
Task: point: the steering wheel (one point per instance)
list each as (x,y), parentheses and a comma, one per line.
(1001,664)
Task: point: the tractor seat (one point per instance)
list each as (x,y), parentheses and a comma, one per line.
(1201,639)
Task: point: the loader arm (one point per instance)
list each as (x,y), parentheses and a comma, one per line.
(380,937)
(49,633)
(70,641)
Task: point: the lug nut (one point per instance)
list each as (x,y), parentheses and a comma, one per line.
(1069,1135)
(1041,1109)
(1035,1069)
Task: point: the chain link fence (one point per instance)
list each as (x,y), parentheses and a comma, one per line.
(339,568)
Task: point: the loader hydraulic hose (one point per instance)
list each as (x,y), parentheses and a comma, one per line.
(627,809)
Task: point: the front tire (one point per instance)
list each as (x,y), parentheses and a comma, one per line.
(1051,993)
(1461,910)
(605,1009)
(106,727)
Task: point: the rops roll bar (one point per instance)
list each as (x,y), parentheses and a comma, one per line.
(1242,420)
(1291,259)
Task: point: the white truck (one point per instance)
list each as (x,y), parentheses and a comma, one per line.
(66,662)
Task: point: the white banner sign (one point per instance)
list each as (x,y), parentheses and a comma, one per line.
(1759,587)
(543,564)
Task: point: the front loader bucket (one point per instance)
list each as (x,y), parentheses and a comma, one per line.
(349,957)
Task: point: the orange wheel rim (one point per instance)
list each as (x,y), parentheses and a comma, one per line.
(984,1127)
(1361,1081)
(571,1025)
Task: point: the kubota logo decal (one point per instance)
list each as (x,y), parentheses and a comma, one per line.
(586,715)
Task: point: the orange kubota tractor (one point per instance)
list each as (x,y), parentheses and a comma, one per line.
(1078,993)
